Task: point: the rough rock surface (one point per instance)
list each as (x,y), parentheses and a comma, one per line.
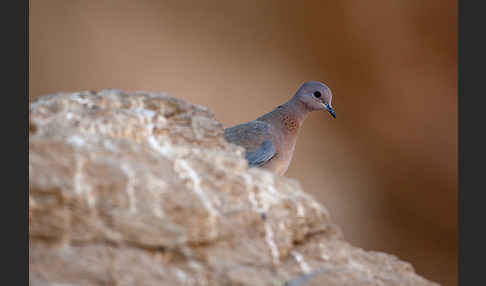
(142,189)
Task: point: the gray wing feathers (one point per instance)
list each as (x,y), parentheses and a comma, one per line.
(255,137)
(261,155)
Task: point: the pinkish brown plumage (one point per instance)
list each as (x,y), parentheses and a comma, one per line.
(270,139)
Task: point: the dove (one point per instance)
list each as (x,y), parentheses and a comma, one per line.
(269,140)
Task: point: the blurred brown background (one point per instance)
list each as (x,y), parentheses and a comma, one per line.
(386,168)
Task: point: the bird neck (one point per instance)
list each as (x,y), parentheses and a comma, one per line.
(289,116)
(297,107)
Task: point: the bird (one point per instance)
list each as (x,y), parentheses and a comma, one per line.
(269,140)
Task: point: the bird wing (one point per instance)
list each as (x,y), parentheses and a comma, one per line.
(262,155)
(255,137)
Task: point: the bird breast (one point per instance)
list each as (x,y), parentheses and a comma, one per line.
(290,123)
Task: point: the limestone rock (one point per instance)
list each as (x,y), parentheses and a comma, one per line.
(142,189)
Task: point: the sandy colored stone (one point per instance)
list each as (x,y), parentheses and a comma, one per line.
(142,189)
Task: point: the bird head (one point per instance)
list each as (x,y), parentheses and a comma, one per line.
(316,96)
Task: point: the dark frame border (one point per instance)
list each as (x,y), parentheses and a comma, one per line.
(471,121)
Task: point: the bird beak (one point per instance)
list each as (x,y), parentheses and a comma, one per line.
(331,110)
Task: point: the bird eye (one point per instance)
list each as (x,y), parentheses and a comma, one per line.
(317,94)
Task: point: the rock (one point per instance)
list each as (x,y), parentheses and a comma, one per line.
(142,189)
